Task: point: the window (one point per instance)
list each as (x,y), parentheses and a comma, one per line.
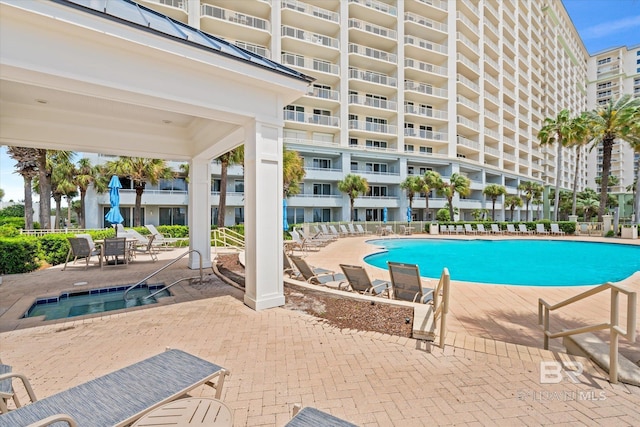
(294,112)
(322,91)
(214,216)
(376,167)
(426,150)
(322,189)
(295,215)
(408,148)
(216,186)
(176,184)
(354,166)
(377,191)
(376,144)
(322,163)
(604,85)
(172,216)
(376,100)
(604,61)
(127,213)
(321,215)
(238,215)
(238,186)
(353,141)
(410,170)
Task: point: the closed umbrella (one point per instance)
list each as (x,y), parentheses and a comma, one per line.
(114,216)
(408,214)
(285,223)
(384,215)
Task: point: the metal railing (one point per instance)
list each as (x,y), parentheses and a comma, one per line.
(544,310)
(162,269)
(441,304)
(227,238)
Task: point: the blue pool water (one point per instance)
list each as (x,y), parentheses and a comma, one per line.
(72,304)
(514,262)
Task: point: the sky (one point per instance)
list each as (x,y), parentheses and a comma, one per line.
(602,24)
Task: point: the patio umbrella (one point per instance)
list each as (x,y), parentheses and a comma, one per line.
(408,214)
(114,216)
(285,223)
(384,215)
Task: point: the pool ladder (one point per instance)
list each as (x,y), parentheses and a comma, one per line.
(164,268)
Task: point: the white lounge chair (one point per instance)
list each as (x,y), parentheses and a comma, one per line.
(361,230)
(333,231)
(540,229)
(469,230)
(480,228)
(459,229)
(511,229)
(452,229)
(344,231)
(164,240)
(555,229)
(524,230)
(123,396)
(496,230)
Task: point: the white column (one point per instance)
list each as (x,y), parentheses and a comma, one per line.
(200,212)
(263,215)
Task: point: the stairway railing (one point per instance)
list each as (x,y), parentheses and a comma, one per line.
(615,331)
(227,238)
(441,303)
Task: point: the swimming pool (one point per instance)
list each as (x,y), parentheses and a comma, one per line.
(514,262)
(72,304)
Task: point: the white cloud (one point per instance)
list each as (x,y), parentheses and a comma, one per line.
(611,27)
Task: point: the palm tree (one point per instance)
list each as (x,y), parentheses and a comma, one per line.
(86,175)
(494,191)
(587,206)
(635,144)
(457,183)
(414,185)
(353,185)
(531,190)
(27,167)
(558,131)
(431,180)
(1,194)
(578,137)
(512,201)
(140,171)
(292,172)
(230,158)
(618,119)
(62,184)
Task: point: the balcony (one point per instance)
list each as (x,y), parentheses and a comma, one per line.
(492,133)
(439,4)
(425,134)
(315,64)
(372,127)
(426,112)
(372,77)
(321,93)
(235,24)
(492,116)
(491,44)
(467,102)
(492,98)
(510,125)
(312,142)
(489,60)
(310,10)
(492,151)
(463,18)
(426,67)
(377,6)
(468,123)
(309,37)
(473,46)
(470,64)
(315,119)
(370,28)
(425,44)
(369,101)
(425,89)
(462,79)
(489,78)
(258,50)
(372,53)
(466,142)
(425,22)
(508,141)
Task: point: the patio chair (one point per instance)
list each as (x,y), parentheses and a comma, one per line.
(304,244)
(511,229)
(116,249)
(81,247)
(123,396)
(358,280)
(406,283)
(540,229)
(309,416)
(334,232)
(523,229)
(6,388)
(496,230)
(361,230)
(480,229)
(293,272)
(469,230)
(149,249)
(344,231)
(313,275)
(555,229)
(352,230)
(459,229)
(444,229)
(318,239)
(452,229)
(164,240)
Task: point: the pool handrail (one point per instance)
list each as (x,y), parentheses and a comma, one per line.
(441,303)
(544,310)
(164,267)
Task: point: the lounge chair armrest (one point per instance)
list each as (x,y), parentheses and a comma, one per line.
(427,295)
(381,287)
(55,419)
(25,383)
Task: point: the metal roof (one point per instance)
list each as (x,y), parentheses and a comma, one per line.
(148,19)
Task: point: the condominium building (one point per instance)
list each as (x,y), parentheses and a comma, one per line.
(403,87)
(613,73)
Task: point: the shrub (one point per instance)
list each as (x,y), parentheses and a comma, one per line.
(19,255)
(443,215)
(12,221)
(55,247)
(8,231)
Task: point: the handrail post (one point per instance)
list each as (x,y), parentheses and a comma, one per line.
(613,336)
(446,282)
(546,328)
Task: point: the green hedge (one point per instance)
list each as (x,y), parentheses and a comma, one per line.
(19,255)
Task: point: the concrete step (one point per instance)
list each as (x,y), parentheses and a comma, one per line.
(588,345)
(424,328)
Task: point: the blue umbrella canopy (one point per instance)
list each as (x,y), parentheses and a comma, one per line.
(285,223)
(408,214)
(114,216)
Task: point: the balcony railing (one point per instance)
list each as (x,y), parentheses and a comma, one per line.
(468,142)
(493,116)
(425,134)
(311,10)
(426,22)
(372,28)
(462,17)
(373,77)
(317,119)
(469,83)
(464,39)
(492,133)
(310,63)
(372,102)
(178,4)
(317,92)
(491,44)
(425,44)
(468,123)
(257,49)
(235,17)
(423,66)
(466,61)
(508,141)
(372,127)
(491,150)
(426,112)
(310,37)
(491,61)
(425,88)
(373,53)
(377,5)
(469,103)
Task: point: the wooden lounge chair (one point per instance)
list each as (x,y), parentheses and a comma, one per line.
(406,283)
(123,396)
(524,230)
(358,280)
(308,417)
(555,229)
(314,275)
(81,247)
(540,229)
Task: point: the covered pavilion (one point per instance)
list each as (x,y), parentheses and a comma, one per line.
(117,78)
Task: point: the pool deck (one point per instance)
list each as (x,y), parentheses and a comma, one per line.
(488,374)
